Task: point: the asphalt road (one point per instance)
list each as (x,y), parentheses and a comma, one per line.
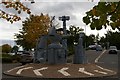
(109,61)
(105,60)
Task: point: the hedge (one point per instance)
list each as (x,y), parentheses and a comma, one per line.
(6,58)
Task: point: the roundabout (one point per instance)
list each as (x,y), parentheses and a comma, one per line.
(50,60)
(60,71)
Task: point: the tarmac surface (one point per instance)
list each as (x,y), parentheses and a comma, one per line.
(108,61)
(60,71)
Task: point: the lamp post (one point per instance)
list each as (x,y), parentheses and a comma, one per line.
(64,19)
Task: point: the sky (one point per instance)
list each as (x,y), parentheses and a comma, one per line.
(75,9)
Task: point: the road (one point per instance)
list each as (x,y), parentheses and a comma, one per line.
(109,61)
(105,60)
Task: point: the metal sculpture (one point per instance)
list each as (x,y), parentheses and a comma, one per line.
(55,52)
(79,57)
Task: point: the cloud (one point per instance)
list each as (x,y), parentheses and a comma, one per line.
(7,30)
(66,0)
(76,10)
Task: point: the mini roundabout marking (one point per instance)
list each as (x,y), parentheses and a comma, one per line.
(60,71)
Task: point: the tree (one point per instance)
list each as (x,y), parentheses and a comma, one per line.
(88,40)
(33,28)
(102,15)
(112,37)
(16,5)
(15,48)
(103,42)
(74,32)
(6,48)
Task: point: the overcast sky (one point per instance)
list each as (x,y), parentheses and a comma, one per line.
(76,10)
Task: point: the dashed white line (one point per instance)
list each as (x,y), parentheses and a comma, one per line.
(96,60)
(37,71)
(82,70)
(20,70)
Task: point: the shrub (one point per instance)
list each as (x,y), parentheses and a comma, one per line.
(6,55)
(16,57)
(6,60)
(6,48)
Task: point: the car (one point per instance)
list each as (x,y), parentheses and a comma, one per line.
(26,57)
(113,50)
(11,54)
(95,47)
(98,48)
(19,52)
(92,47)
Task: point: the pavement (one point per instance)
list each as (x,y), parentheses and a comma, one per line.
(101,67)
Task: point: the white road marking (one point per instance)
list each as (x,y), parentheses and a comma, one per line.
(100,72)
(15,68)
(64,72)
(96,60)
(105,69)
(20,70)
(82,70)
(37,71)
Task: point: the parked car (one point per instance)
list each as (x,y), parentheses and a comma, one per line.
(113,50)
(98,48)
(95,47)
(92,47)
(19,52)
(11,54)
(26,57)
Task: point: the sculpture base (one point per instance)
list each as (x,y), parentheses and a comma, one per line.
(60,71)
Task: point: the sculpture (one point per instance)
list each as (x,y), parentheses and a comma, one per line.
(55,52)
(79,56)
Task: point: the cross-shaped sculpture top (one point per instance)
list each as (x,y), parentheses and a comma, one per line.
(64,18)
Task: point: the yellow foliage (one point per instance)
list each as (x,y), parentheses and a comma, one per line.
(94,11)
(34,27)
